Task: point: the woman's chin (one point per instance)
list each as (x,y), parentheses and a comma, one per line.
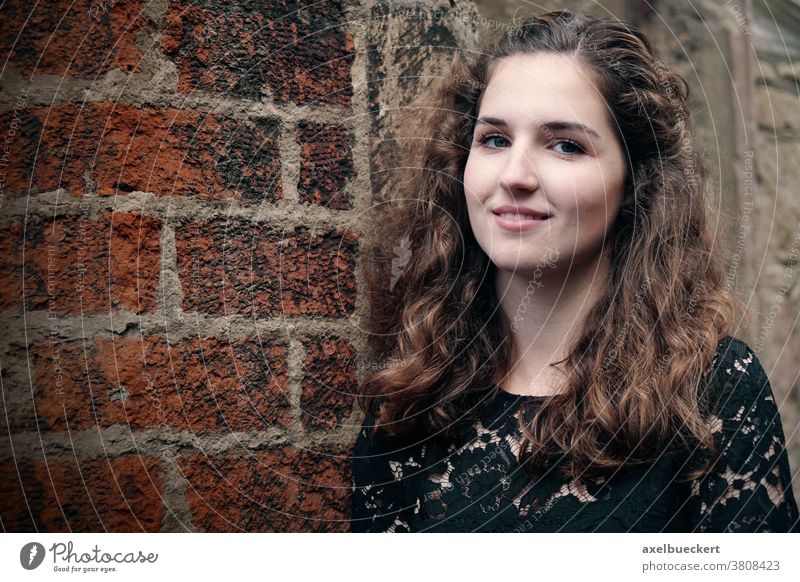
(526,268)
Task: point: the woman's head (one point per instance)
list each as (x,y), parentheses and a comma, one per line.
(634,369)
(565,66)
(544,149)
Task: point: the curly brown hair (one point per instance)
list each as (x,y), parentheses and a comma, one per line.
(635,371)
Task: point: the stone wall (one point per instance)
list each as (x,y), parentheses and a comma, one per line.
(184,189)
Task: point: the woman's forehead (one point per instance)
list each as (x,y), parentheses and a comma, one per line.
(537,89)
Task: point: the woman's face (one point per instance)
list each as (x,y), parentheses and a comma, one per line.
(543,144)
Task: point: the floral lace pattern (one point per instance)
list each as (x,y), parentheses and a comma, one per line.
(478,485)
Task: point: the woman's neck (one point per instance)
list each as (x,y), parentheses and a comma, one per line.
(545,310)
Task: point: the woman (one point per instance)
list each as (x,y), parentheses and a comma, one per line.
(556,338)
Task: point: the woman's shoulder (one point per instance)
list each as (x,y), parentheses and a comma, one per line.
(375,441)
(729,348)
(750,487)
(367,439)
(736,378)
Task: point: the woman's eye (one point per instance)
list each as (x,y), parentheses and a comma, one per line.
(494,136)
(573,148)
(565,146)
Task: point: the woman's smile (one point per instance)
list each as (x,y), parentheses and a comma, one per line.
(518,222)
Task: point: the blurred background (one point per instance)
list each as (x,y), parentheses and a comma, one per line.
(183,191)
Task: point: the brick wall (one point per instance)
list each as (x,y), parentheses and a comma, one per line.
(184,186)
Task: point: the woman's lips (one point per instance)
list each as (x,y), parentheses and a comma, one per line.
(519,224)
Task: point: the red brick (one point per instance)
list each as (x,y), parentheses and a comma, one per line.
(11,244)
(232,266)
(17,410)
(17,132)
(20,496)
(116,495)
(69,37)
(326,165)
(116,148)
(80,265)
(329,382)
(285,490)
(199,385)
(254,49)
(121,494)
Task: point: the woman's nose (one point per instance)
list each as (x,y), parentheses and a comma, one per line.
(519,172)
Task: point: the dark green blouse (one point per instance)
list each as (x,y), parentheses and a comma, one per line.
(477,485)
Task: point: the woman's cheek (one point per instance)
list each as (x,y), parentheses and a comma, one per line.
(472,183)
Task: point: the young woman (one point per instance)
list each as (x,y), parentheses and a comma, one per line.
(556,339)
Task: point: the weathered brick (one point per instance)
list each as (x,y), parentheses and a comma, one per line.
(252,49)
(326,165)
(233,266)
(20,496)
(16,130)
(18,409)
(11,244)
(79,265)
(116,148)
(285,490)
(122,494)
(141,382)
(329,382)
(72,37)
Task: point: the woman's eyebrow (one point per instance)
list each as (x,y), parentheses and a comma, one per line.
(550,125)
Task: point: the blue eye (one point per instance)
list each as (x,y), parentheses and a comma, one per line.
(573,148)
(486,138)
(571,144)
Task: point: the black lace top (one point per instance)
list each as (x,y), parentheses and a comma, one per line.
(477,484)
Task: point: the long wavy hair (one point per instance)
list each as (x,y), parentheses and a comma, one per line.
(635,372)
